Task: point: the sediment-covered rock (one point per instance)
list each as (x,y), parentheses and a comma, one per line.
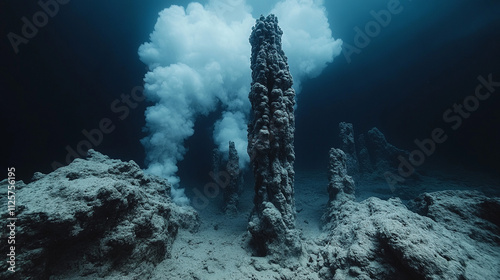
(468,212)
(340,184)
(270,144)
(94,218)
(348,145)
(377,239)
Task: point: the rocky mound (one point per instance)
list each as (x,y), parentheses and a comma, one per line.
(456,237)
(94,218)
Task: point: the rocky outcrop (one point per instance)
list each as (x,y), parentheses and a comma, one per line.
(94,218)
(371,154)
(232,189)
(376,239)
(340,184)
(467,212)
(348,145)
(383,155)
(372,157)
(270,144)
(381,160)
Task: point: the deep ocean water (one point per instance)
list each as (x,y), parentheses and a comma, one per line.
(164,83)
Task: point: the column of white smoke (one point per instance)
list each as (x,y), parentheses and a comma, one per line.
(199,56)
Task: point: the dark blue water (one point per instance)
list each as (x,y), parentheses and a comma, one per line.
(428,58)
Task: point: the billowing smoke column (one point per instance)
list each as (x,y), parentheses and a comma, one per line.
(270,143)
(195,59)
(199,60)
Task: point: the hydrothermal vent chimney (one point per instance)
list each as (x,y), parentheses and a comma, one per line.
(270,144)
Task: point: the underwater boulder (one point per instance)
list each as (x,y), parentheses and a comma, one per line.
(383,239)
(95,218)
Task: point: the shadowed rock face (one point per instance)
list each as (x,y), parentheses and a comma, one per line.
(384,156)
(270,143)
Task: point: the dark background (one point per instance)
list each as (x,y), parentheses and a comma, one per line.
(428,58)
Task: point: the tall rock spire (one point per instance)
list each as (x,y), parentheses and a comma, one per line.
(270,143)
(231,191)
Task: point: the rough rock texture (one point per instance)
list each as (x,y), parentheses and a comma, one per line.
(377,239)
(340,184)
(348,145)
(467,212)
(232,189)
(94,218)
(270,144)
